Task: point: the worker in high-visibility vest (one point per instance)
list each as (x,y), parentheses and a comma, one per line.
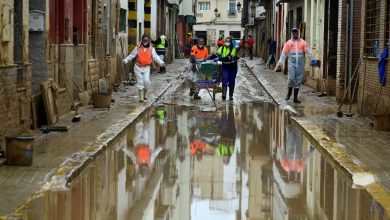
(161,44)
(144,55)
(198,53)
(227,54)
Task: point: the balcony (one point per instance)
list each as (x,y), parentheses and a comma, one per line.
(232,13)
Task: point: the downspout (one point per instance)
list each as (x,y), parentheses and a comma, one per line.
(348,60)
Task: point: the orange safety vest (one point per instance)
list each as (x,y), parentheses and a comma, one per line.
(144,57)
(221,42)
(143,155)
(199,53)
(197,145)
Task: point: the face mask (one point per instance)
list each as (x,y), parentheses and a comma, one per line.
(295,38)
(201,45)
(227,44)
(146,44)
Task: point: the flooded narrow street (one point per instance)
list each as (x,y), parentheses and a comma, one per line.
(240,162)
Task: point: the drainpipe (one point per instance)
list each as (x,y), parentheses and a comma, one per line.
(348,60)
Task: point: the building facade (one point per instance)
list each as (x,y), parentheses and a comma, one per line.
(346,36)
(215,18)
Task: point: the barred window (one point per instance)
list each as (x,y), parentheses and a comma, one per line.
(232,6)
(387,21)
(204,6)
(372,26)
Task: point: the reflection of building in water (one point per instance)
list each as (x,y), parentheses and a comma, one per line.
(254,144)
(306,186)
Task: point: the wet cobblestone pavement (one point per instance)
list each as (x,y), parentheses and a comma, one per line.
(179,158)
(244,161)
(351,142)
(18,184)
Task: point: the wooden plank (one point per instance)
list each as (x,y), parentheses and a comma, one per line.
(49,102)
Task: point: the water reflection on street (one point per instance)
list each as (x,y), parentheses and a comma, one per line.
(241,162)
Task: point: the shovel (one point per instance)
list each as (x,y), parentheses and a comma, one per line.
(83,95)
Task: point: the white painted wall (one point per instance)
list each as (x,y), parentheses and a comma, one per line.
(153,20)
(185,8)
(223,7)
(140,18)
(124,4)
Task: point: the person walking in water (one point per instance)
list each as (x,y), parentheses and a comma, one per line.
(295,49)
(144,55)
(227,54)
(198,53)
(161,45)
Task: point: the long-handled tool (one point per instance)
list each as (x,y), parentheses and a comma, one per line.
(349,114)
(77,117)
(83,95)
(339,112)
(48,129)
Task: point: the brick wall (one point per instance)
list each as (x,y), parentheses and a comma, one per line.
(341,49)
(92,78)
(369,79)
(14,101)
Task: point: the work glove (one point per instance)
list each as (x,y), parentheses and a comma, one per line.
(224,59)
(124,61)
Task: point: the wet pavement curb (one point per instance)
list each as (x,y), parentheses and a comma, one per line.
(63,174)
(267,87)
(340,159)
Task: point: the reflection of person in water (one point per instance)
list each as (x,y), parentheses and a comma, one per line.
(144,156)
(225,148)
(198,148)
(199,134)
(160,114)
(292,159)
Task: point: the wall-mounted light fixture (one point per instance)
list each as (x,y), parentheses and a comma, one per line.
(239,7)
(217,14)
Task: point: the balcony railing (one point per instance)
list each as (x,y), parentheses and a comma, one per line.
(231,13)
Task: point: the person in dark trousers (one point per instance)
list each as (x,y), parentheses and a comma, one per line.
(161,44)
(227,54)
(271,53)
(250,42)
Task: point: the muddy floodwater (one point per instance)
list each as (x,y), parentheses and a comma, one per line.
(239,162)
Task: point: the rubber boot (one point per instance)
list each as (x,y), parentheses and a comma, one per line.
(231,92)
(162,70)
(141,95)
(196,96)
(296,100)
(145,94)
(224,90)
(289,93)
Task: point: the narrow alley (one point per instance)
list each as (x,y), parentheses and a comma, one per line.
(194,109)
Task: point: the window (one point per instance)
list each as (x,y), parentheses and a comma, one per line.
(222,33)
(232,7)
(387,21)
(372,26)
(204,6)
(235,34)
